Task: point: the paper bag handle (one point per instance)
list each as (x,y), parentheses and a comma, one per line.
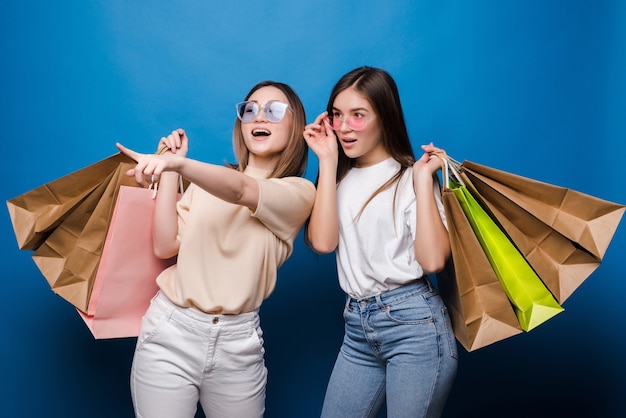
(154,186)
(450,169)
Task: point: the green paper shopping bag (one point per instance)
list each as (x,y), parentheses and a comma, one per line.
(587,221)
(561,264)
(532,301)
(480,311)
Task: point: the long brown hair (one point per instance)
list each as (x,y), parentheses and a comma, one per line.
(381,91)
(293,159)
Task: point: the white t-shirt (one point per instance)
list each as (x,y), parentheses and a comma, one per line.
(375,252)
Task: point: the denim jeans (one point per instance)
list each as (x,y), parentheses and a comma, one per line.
(184,356)
(398,347)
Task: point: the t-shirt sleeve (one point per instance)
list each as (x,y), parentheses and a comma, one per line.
(411,208)
(284,205)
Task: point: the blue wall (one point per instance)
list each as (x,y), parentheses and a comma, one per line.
(535,87)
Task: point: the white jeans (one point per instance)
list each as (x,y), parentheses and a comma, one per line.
(184,356)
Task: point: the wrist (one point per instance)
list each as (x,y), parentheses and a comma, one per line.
(177,163)
(423,178)
(329,158)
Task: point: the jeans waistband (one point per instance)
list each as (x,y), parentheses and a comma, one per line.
(417,286)
(191,315)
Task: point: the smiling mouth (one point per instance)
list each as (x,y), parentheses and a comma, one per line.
(260,132)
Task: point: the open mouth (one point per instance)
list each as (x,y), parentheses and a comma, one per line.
(260,132)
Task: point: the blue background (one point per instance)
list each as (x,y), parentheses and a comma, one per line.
(533,87)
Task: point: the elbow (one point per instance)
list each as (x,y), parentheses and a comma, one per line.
(164,252)
(323,248)
(434,263)
(321,245)
(434,266)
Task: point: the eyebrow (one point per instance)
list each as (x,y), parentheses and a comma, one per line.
(354,109)
(270,100)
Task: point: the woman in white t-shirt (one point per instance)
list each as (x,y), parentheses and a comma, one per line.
(234,226)
(380,210)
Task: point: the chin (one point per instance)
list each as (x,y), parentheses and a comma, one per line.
(352,154)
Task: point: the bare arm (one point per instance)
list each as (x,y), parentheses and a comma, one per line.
(323,230)
(432,247)
(225,183)
(165,218)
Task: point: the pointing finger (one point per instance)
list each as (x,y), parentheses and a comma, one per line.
(128,152)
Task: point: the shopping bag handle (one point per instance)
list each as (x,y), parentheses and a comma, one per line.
(154,186)
(449,167)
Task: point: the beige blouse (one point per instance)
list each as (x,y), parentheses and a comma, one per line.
(228,256)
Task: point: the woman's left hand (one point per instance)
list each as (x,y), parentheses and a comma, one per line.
(428,164)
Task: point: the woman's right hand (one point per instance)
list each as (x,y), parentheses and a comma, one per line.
(169,157)
(323,228)
(321,138)
(176,143)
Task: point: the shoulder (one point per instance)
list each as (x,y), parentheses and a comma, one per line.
(284,188)
(294,183)
(404,188)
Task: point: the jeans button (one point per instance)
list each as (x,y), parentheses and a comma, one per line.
(216,320)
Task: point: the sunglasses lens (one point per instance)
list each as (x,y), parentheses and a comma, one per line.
(246,111)
(355,123)
(275,111)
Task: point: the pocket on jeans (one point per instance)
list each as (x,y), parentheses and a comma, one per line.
(257,332)
(244,349)
(450,338)
(150,324)
(412,311)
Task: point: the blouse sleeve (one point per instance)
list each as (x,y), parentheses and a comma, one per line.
(410,212)
(284,205)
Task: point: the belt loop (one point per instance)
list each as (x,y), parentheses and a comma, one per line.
(379,301)
(430,285)
(348,299)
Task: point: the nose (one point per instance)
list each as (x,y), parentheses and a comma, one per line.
(260,116)
(344,126)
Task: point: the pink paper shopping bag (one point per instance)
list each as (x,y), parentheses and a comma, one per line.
(125,281)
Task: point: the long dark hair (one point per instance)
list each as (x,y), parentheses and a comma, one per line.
(381,91)
(293,160)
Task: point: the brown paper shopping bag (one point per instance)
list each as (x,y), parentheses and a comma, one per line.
(588,221)
(69,257)
(36,213)
(125,279)
(562,266)
(52,254)
(480,311)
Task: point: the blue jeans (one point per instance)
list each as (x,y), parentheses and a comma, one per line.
(398,347)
